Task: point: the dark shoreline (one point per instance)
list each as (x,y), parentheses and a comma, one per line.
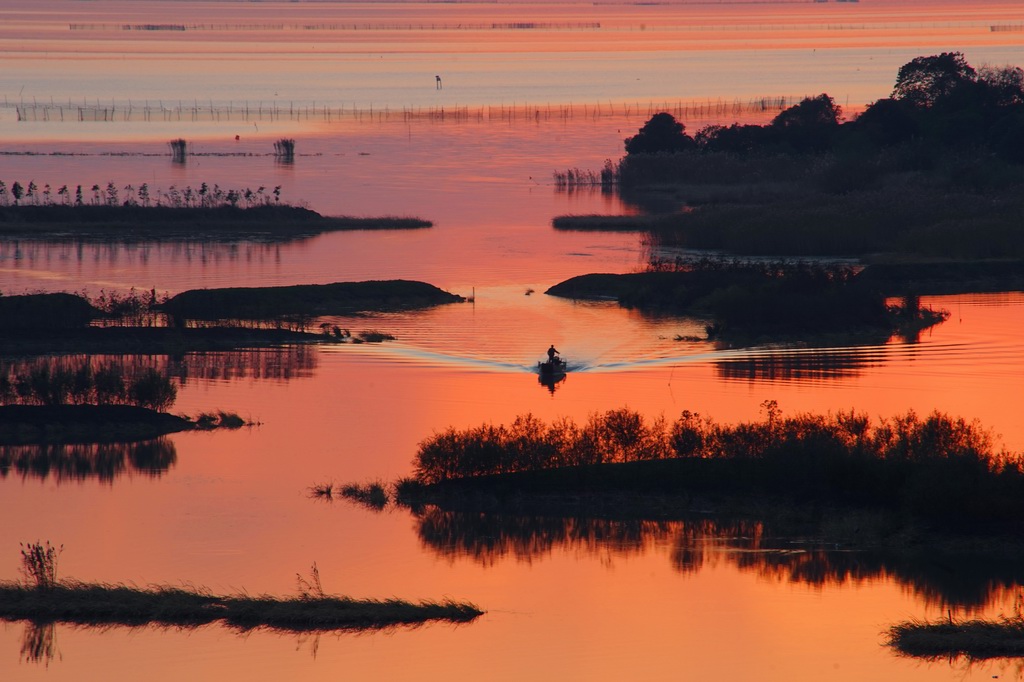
(172,223)
(78,424)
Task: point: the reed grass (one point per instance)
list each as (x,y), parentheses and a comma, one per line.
(373,336)
(219,420)
(974,639)
(39,564)
(101,604)
(322,490)
(373,495)
(44,599)
(284,150)
(179,150)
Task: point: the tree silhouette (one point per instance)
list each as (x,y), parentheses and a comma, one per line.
(810,124)
(887,122)
(662,133)
(924,81)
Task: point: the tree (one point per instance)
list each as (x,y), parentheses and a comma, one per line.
(809,125)
(660,134)
(811,111)
(887,122)
(924,81)
(1005,84)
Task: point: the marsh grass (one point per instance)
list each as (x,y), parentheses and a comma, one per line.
(219,420)
(179,150)
(974,639)
(39,564)
(39,643)
(373,495)
(373,336)
(324,491)
(310,588)
(284,150)
(103,604)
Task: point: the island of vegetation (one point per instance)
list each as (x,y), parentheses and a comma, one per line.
(81,400)
(976,639)
(933,174)
(935,476)
(42,598)
(758,300)
(206,213)
(201,319)
(99,423)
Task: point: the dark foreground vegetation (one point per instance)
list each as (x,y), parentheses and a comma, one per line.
(761,299)
(940,471)
(974,639)
(42,598)
(27,211)
(935,171)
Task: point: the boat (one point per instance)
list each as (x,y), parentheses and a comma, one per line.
(551,372)
(554,368)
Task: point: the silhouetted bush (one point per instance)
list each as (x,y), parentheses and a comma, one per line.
(938,467)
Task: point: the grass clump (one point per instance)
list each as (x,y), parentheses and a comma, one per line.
(39,564)
(373,336)
(373,495)
(50,600)
(974,639)
(219,420)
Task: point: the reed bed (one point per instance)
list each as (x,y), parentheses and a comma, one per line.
(42,598)
(101,604)
(937,467)
(373,495)
(129,196)
(974,639)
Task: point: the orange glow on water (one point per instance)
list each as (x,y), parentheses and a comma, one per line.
(565,598)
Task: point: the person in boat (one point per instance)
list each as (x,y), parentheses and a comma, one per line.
(553,358)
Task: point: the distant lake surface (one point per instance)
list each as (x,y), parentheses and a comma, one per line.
(526,89)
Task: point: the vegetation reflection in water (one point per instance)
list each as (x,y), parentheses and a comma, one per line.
(105,462)
(947,579)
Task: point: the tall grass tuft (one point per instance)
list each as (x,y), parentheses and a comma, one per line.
(179,150)
(311,588)
(39,564)
(373,495)
(284,150)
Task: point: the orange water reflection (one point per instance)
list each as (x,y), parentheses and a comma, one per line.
(942,580)
(231,511)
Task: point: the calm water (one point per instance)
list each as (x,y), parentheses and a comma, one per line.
(565,599)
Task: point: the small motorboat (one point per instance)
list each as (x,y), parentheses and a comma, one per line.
(551,373)
(552,369)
